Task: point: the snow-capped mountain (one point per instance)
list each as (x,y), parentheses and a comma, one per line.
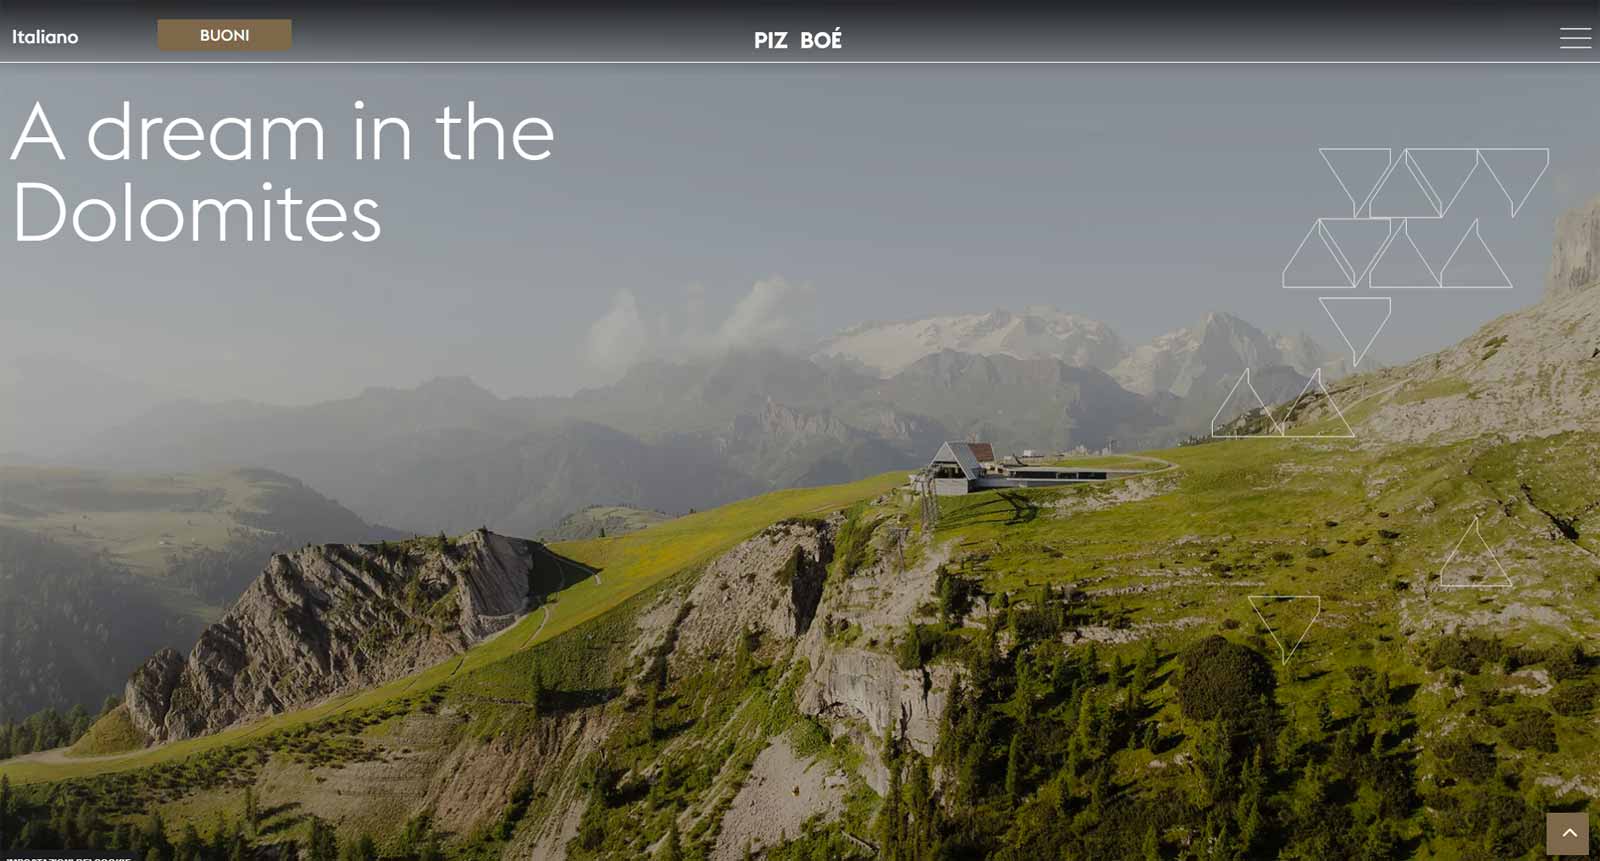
(1193,359)
(1186,360)
(1036,333)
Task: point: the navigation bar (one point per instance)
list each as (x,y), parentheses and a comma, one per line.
(1159,31)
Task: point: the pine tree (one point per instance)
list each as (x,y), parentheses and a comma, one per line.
(743,657)
(1143,671)
(1100,791)
(538,693)
(1381,840)
(1150,658)
(650,706)
(890,817)
(78,722)
(189,846)
(1250,823)
(252,813)
(219,837)
(1014,769)
(919,804)
(155,836)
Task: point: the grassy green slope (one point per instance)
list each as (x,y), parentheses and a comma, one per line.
(1366,530)
(626,566)
(1160,562)
(1168,558)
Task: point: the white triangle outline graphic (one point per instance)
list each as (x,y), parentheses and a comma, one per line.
(1404,231)
(1333,252)
(1216,420)
(1422,182)
(1456,550)
(1288,652)
(1345,263)
(1356,355)
(1316,380)
(1422,186)
(1444,207)
(1388,155)
(1516,205)
(1474,232)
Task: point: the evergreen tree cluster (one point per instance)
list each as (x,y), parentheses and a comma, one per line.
(48,729)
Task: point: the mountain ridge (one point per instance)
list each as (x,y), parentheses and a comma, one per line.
(886,348)
(673,435)
(331,617)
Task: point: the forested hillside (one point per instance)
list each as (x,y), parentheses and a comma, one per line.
(99,570)
(72,626)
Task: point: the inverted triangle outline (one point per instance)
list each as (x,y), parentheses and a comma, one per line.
(1289,652)
(1357,355)
(1377,183)
(1516,203)
(1435,191)
(1331,239)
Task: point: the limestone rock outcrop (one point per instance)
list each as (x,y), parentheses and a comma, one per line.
(331,618)
(1575,259)
(770,584)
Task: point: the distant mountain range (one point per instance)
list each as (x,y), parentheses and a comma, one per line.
(1175,362)
(674,436)
(1037,333)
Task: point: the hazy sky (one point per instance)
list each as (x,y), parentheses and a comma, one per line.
(793,200)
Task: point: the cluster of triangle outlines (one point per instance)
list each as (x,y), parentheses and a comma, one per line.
(1424,182)
(1285,651)
(1372,247)
(1379,253)
(1473,532)
(1244,394)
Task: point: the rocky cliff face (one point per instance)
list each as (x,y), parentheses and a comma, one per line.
(1531,373)
(776,585)
(1575,261)
(336,617)
(770,584)
(859,692)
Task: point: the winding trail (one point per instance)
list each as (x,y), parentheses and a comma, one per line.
(1166,465)
(539,630)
